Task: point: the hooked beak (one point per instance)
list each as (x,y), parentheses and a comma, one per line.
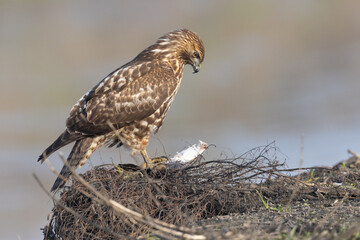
(196,66)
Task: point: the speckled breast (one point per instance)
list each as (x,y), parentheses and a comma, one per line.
(136,135)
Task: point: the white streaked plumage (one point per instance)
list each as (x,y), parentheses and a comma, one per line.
(187,155)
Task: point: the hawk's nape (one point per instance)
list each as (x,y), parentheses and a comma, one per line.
(130,103)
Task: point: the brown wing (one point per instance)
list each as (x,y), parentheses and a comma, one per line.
(129,94)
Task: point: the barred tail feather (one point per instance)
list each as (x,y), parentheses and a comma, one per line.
(77,154)
(64,139)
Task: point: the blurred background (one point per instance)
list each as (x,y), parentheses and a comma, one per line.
(273,71)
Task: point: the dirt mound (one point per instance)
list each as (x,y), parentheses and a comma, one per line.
(189,195)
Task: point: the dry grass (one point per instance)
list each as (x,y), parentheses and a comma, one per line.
(186,196)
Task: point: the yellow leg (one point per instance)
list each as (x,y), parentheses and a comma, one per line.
(147,160)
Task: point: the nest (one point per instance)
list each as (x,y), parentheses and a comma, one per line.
(178,197)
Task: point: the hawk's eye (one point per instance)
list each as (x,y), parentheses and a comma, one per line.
(196,54)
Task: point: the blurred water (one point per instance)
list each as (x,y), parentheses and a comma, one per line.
(272,72)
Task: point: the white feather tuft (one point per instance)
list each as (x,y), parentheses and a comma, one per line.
(187,155)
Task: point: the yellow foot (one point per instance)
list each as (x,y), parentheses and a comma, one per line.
(157,163)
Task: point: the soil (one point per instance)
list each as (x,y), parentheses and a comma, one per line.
(308,219)
(330,211)
(249,197)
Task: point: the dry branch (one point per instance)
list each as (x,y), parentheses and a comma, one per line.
(169,202)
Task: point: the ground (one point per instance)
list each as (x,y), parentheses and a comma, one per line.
(252,196)
(309,219)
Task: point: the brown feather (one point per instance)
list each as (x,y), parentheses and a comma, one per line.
(77,154)
(131,102)
(124,105)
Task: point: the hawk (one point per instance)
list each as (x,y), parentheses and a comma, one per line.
(130,103)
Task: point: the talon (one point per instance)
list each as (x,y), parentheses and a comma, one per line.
(156,163)
(159,162)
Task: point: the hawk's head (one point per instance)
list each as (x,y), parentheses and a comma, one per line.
(189,47)
(183,45)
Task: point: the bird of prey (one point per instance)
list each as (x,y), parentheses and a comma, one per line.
(130,103)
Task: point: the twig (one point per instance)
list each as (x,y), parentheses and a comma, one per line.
(75,213)
(119,208)
(354,154)
(300,169)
